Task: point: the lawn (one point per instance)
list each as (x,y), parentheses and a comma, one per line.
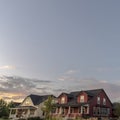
(4,119)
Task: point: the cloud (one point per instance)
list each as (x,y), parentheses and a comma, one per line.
(15,87)
(64,78)
(71,72)
(68,75)
(7,67)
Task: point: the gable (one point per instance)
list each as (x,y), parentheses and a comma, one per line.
(102,98)
(62,98)
(27,102)
(82,97)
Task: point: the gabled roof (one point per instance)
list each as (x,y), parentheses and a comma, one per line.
(63,93)
(93,92)
(37,99)
(75,94)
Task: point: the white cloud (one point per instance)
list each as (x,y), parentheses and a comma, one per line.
(71,72)
(68,75)
(103,81)
(67,78)
(7,67)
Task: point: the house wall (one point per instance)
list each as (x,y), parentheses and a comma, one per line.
(94,103)
(39,111)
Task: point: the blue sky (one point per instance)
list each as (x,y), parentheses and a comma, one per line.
(72,45)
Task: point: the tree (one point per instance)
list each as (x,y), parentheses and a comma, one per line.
(4,110)
(116,108)
(48,107)
(11,104)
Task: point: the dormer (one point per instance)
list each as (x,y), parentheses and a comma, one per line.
(63,98)
(82,97)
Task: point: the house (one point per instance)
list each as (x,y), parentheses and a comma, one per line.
(87,103)
(30,107)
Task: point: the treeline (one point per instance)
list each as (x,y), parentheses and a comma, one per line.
(116,109)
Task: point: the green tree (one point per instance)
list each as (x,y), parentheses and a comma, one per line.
(48,108)
(11,104)
(116,108)
(4,110)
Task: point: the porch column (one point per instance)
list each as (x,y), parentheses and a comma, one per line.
(60,110)
(56,111)
(28,113)
(88,109)
(81,109)
(10,112)
(69,110)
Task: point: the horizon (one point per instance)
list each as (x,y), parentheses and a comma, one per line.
(47,47)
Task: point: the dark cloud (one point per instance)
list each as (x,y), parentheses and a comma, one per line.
(22,86)
(42,81)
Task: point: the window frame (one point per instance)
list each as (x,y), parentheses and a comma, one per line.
(82,98)
(98,100)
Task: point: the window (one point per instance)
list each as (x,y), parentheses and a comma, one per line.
(63,100)
(98,100)
(32,112)
(104,101)
(108,111)
(94,110)
(82,98)
(27,102)
(98,110)
(80,110)
(105,111)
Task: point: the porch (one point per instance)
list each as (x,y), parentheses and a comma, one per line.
(22,112)
(71,112)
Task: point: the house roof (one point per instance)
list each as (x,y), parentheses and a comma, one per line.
(37,99)
(15,104)
(88,92)
(73,96)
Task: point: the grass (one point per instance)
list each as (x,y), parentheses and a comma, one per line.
(4,119)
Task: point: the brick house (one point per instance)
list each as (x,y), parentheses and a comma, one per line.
(89,103)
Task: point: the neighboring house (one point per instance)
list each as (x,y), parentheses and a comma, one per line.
(30,107)
(89,103)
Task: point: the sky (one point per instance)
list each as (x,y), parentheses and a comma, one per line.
(54,46)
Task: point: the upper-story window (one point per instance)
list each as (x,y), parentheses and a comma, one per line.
(27,102)
(98,100)
(82,98)
(104,101)
(63,100)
